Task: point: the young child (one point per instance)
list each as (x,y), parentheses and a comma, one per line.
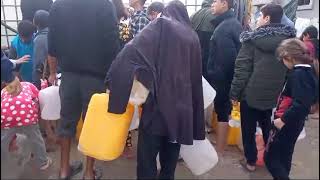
(299,93)
(19,114)
(41,70)
(22,45)
(40,51)
(310,39)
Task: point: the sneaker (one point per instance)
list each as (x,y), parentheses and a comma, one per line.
(46,166)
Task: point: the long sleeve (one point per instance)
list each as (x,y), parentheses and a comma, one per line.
(6,69)
(132,61)
(243,71)
(40,53)
(110,30)
(228,59)
(303,95)
(13,52)
(53,34)
(224,48)
(138,24)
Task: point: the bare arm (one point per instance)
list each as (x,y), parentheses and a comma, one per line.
(52,61)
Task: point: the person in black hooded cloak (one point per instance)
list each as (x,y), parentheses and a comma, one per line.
(166,58)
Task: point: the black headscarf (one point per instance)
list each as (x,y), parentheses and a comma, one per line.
(165,58)
(177,11)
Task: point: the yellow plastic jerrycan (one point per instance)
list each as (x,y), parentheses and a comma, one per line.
(79,128)
(104,134)
(234,126)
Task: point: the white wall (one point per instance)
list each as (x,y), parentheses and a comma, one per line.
(310,13)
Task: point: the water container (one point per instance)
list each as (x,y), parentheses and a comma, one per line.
(261,148)
(199,157)
(104,134)
(208,93)
(234,132)
(79,128)
(234,126)
(50,105)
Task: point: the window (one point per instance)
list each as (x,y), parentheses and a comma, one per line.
(305,4)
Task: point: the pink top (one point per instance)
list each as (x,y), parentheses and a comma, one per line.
(311,48)
(21,110)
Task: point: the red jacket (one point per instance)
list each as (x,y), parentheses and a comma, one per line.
(284,103)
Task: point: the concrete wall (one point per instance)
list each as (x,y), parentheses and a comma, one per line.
(313,12)
(310,13)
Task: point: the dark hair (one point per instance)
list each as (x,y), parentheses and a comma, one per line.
(177,10)
(294,49)
(274,11)
(230,3)
(121,11)
(156,7)
(26,28)
(143,2)
(311,31)
(41,19)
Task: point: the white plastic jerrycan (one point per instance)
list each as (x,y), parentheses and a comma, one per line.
(49,101)
(208,93)
(199,157)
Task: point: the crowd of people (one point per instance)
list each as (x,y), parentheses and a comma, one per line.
(100,46)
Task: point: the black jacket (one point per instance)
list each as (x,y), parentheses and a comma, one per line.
(29,7)
(83,35)
(7,75)
(170,70)
(302,87)
(201,23)
(224,47)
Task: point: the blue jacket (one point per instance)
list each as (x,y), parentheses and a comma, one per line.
(22,49)
(6,69)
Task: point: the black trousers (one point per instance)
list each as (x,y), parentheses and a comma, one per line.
(148,148)
(249,118)
(280,148)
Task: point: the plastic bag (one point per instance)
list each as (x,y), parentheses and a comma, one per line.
(135,119)
(49,100)
(139,93)
(208,93)
(199,157)
(302,135)
(138,96)
(260,148)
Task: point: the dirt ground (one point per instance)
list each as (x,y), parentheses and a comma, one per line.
(305,163)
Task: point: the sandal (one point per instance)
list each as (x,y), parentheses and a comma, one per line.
(75,168)
(245,166)
(97,174)
(129,140)
(47,165)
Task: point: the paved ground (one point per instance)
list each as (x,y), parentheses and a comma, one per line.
(305,164)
